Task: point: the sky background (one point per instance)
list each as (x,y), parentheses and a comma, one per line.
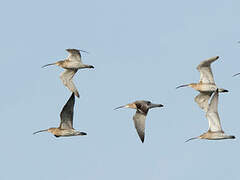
(140,50)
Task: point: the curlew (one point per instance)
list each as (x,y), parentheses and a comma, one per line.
(71,65)
(66,125)
(139,118)
(206,85)
(215,131)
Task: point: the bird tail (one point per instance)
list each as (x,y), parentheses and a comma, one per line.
(191,139)
(222,90)
(82,133)
(40,131)
(84,51)
(48,65)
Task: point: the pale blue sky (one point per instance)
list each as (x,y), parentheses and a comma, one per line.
(140,50)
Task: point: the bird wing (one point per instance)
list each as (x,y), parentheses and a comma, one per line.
(205,70)
(74,55)
(66,78)
(139,122)
(202,100)
(212,114)
(66,114)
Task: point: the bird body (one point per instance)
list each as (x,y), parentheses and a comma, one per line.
(203,87)
(142,107)
(215,131)
(65,132)
(66,124)
(67,64)
(71,65)
(206,85)
(215,136)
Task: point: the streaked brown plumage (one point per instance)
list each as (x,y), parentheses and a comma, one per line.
(215,131)
(71,65)
(66,125)
(206,85)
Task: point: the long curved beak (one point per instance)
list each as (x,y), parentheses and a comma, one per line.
(191,139)
(155,105)
(120,107)
(48,65)
(185,85)
(40,131)
(235,74)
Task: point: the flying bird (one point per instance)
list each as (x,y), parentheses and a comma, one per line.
(139,118)
(206,85)
(66,124)
(71,65)
(215,131)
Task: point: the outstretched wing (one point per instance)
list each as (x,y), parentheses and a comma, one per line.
(67,114)
(202,100)
(139,121)
(74,55)
(66,78)
(205,70)
(212,114)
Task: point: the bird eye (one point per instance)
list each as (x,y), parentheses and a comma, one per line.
(148,103)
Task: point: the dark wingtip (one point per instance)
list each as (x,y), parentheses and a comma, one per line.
(92,67)
(233,137)
(72,96)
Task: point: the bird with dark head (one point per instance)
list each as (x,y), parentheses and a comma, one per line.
(139,118)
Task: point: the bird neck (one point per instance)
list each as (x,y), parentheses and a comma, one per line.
(60,63)
(193,85)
